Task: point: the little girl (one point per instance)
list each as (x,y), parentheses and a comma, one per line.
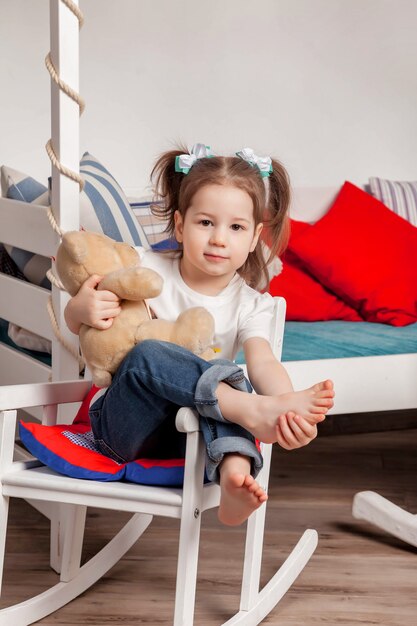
(216,208)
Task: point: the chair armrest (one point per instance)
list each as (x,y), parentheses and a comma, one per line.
(187,421)
(42,394)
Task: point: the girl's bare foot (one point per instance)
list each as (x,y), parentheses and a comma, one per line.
(259,414)
(240,493)
(309,403)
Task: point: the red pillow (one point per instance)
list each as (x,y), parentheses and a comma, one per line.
(365,254)
(307,300)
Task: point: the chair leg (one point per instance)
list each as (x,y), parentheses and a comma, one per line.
(7,439)
(34,609)
(254,542)
(72,526)
(4,514)
(279,584)
(55,538)
(190,531)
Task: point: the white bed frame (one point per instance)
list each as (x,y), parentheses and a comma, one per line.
(372,383)
(378,383)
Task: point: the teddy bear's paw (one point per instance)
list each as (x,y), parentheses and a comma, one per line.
(101,378)
(199,325)
(209,354)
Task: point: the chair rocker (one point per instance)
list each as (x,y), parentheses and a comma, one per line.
(373,508)
(33,481)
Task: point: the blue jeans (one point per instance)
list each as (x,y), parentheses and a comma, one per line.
(135,418)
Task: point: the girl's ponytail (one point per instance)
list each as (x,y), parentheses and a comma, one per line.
(167,183)
(276,221)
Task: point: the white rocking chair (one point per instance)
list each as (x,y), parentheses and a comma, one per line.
(32,481)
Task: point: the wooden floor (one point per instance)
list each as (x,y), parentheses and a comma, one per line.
(358,575)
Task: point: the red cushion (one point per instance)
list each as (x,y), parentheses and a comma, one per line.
(71,450)
(365,254)
(307,300)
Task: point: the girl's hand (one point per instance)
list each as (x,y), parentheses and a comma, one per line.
(294,431)
(92,307)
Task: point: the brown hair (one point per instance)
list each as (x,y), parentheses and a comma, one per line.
(174,192)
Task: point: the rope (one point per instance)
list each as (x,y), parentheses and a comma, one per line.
(55,280)
(76,10)
(74,95)
(60,337)
(64,170)
(54,224)
(71,93)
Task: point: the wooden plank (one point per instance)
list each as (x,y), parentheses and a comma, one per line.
(22,396)
(18,367)
(25,305)
(26,226)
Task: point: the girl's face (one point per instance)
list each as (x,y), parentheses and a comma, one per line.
(217,234)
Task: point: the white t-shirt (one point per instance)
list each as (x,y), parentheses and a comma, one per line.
(239,311)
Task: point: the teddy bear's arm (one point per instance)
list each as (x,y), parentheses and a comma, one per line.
(134,283)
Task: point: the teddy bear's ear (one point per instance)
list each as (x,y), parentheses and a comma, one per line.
(75,244)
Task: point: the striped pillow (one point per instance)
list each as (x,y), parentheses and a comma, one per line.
(399,196)
(103,208)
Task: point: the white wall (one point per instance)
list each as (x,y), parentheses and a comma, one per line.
(327,86)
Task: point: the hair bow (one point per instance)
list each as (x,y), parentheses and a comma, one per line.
(184,162)
(264,164)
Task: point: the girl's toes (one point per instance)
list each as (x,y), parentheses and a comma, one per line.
(316,410)
(249,481)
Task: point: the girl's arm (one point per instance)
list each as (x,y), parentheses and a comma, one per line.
(92,307)
(267,376)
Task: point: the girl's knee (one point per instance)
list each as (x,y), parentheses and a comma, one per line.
(143,351)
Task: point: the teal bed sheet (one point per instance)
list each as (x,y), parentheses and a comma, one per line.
(305,341)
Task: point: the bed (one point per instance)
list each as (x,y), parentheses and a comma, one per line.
(367,381)
(374,366)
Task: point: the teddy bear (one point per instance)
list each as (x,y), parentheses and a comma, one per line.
(82,254)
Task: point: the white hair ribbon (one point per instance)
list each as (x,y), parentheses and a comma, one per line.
(264,164)
(184,162)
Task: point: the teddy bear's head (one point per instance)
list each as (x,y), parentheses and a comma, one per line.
(83,253)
